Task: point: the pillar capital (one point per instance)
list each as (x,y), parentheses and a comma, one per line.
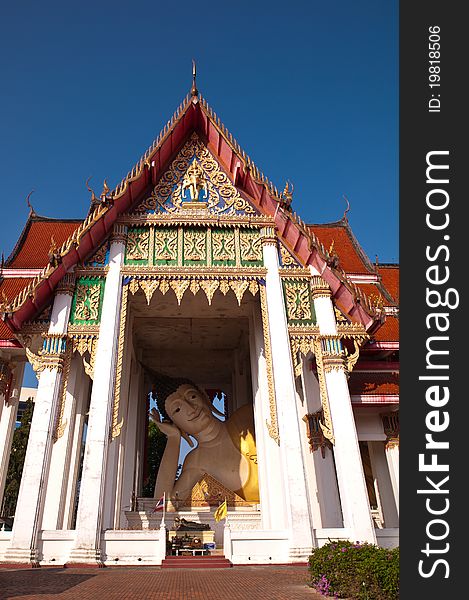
(268,237)
(119,234)
(66,285)
(319,287)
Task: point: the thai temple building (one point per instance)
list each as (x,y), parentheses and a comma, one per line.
(193,297)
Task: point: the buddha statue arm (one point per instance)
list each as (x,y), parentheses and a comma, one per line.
(169,462)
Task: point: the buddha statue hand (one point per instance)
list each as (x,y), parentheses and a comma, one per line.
(168,428)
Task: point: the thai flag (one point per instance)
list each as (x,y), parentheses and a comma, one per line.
(159,505)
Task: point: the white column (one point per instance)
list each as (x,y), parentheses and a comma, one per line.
(81,407)
(385,492)
(322,481)
(271,482)
(295,488)
(90,506)
(61,452)
(391,429)
(351,479)
(7,423)
(30,504)
(130,455)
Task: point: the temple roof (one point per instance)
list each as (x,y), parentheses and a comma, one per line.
(39,233)
(374,383)
(74,241)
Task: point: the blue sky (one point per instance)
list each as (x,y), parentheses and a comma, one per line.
(309,89)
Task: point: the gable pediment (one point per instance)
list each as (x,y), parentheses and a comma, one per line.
(195,184)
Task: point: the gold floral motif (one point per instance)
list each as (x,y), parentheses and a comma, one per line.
(180,283)
(272,427)
(239,286)
(251,246)
(195,245)
(195,169)
(179,286)
(298,301)
(326,425)
(116,425)
(286,259)
(149,286)
(83,343)
(209,287)
(87,302)
(60,424)
(138,242)
(223,244)
(166,244)
(99,257)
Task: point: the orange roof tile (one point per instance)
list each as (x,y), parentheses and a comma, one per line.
(389,330)
(373,383)
(32,249)
(351,256)
(390,278)
(10,287)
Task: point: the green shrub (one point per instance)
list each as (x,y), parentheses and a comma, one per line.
(358,571)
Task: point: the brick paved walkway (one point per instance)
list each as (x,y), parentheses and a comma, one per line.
(153,583)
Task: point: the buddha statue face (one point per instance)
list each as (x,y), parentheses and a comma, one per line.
(189,410)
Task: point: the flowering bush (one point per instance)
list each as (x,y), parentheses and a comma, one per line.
(357,571)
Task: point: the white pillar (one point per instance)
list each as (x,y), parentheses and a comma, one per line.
(351,479)
(7,423)
(90,506)
(385,492)
(30,504)
(295,488)
(391,428)
(272,500)
(130,454)
(61,452)
(82,397)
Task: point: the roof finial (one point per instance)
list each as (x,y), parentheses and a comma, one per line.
(194,90)
(94,199)
(348,206)
(31,209)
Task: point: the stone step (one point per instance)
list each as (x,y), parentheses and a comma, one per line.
(196,562)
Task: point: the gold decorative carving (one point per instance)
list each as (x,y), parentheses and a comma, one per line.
(286,259)
(319,287)
(87,302)
(60,424)
(251,246)
(223,245)
(208,491)
(138,242)
(86,343)
(298,302)
(116,425)
(326,424)
(195,245)
(194,181)
(166,244)
(66,285)
(195,169)
(209,284)
(272,427)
